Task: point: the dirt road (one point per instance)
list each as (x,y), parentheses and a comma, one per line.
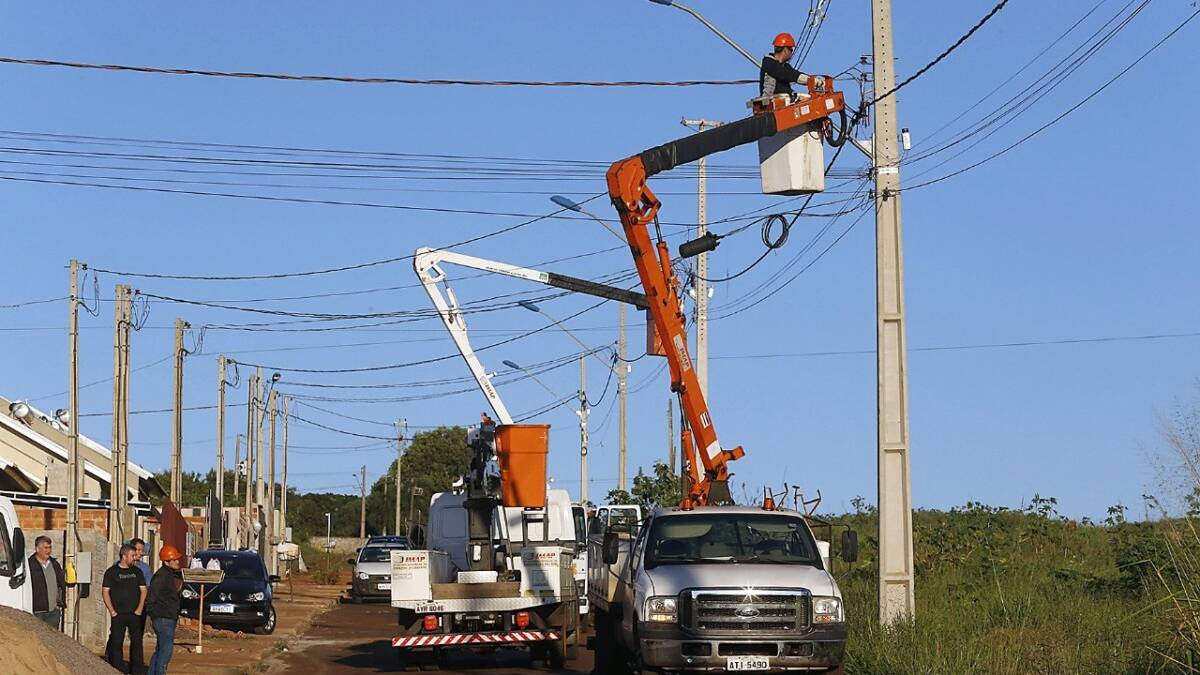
(357,639)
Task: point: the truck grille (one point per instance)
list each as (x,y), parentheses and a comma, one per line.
(738,611)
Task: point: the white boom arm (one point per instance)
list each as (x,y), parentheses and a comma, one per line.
(426,263)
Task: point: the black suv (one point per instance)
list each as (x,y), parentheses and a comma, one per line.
(243,600)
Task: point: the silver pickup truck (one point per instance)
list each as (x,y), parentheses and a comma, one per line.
(719,588)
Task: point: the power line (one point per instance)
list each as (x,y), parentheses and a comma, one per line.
(33,302)
(369,80)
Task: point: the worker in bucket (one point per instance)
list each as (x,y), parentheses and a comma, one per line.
(776,74)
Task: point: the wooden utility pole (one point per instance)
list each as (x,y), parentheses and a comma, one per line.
(71,549)
(622,393)
(583,430)
(896,574)
(177,428)
(220,474)
(362,515)
(273,413)
(400,438)
(284,488)
(118,486)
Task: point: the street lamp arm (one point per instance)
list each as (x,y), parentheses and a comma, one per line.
(714,29)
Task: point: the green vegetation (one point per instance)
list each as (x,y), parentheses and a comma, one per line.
(1003,591)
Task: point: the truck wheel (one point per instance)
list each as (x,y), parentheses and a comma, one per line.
(607,660)
(555,656)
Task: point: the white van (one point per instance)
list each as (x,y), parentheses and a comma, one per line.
(14,591)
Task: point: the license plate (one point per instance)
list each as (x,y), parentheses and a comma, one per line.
(385,587)
(221,609)
(747,663)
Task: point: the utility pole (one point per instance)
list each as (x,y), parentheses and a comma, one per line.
(237,462)
(177,428)
(622,380)
(400,452)
(260,406)
(271,486)
(220,474)
(583,430)
(248,502)
(283,496)
(896,578)
(117,496)
(71,549)
(701,282)
(362,514)
(671,435)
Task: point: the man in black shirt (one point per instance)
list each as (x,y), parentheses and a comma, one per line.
(125,598)
(777,74)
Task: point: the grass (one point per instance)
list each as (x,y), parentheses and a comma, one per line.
(323,566)
(1018,592)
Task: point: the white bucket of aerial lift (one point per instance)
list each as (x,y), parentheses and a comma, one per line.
(546,571)
(415,572)
(793,161)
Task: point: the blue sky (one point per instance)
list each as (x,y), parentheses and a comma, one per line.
(1083,232)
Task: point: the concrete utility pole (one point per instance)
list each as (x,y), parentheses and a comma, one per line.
(71,549)
(283,496)
(260,410)
(583,430)
(271,485)
(248,502)
(220,474)
(701,283)
(671,435)
(237,461)
(400,454)
(362,514)
(177,427)
(118,497)
(896,600)
(622,381)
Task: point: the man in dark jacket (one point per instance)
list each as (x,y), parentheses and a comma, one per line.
(776,74)
(163,607)
(49,583)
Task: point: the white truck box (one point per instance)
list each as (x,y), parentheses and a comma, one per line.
(546,572)
(415,572)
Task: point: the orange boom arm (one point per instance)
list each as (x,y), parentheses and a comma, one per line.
(638,208)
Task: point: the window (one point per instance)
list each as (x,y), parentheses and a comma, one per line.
(730,538)
(7,565)
(454,523)
(580,524)
(377,554)
(238,567)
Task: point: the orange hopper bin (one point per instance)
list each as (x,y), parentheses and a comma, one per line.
(523,449)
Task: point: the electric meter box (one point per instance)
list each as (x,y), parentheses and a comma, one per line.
(793,161)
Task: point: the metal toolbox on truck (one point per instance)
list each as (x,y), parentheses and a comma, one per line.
(415,572)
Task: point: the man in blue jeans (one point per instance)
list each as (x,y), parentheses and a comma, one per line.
(162,607)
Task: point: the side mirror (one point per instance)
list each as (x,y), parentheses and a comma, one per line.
(350,561)
(18,546)
(611,544)
(849,546)
(273,578)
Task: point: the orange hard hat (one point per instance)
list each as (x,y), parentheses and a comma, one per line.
(785,40)
(169,552)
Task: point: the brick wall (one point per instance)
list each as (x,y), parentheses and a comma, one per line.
(39,518)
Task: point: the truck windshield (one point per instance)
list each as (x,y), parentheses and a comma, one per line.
(729,538)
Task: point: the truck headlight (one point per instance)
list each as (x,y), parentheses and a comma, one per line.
(662,609)
(190,594)
(364,576)
(827,609)
(255,597)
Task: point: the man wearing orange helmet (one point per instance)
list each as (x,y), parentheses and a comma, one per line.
(777,75)
(163,606)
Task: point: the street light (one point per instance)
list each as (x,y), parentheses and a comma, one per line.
(572,206)
(701,19)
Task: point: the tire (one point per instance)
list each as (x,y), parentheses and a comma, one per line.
(268,627)
(607,658)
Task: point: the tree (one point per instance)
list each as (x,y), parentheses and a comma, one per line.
(661,489)
(432,463)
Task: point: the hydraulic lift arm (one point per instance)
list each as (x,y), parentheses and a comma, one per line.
(427,264)
(638,208)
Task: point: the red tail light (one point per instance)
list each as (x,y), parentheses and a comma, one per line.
(522,619)
(430,623)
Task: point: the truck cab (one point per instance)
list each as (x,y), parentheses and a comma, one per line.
(717,588)
(14,591)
